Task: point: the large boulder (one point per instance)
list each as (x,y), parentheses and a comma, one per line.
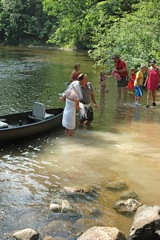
(146,224)
(102,233)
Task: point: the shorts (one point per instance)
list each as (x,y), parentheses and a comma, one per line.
(123,82)
(138,91)
(89,113)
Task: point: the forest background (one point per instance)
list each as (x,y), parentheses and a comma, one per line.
(126,27)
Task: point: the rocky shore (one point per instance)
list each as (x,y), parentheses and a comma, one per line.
(70,223)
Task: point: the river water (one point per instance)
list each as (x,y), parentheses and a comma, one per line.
(122,144)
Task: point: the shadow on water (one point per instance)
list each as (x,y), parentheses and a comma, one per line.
(122,144)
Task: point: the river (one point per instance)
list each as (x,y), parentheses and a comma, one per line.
(122,143)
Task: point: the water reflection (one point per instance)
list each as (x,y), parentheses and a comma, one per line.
(123,143)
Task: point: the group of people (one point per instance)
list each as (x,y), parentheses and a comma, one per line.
(134,81)
(78,97)
(79,94)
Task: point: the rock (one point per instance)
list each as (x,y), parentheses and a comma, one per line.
(48,238)
(53,238)
(146,223)
(127,206)
(129,194)
(116,185)
(95,213)
(60,205)
(81,225)
(55,207)
(59,228)
(26,234)
(102,233)
(66,207)
(75,190)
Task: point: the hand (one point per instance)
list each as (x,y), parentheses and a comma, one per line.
(62,99)
(95,105)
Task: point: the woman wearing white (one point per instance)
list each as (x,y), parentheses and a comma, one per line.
(72,96)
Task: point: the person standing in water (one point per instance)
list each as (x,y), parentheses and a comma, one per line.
(131,80)
(138,84)
(102,81)
(86,100)
(71,97)
(75,73)
(152,81)
(121,69)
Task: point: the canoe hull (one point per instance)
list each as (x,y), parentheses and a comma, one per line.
(28,127)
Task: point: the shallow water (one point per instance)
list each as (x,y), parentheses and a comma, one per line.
(123,144)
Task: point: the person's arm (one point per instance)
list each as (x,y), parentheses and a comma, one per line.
(122,70)
(63,98)
(77,105)
(145,83)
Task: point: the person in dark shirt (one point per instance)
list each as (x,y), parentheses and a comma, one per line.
(88,97)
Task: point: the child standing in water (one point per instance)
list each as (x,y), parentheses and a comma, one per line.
(75,73)
(138,84)
(102,81)
(131,80)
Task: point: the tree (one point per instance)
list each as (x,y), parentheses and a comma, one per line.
(75,21)
(135,36)
(23,19)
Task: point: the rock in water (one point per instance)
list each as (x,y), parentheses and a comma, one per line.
(102,233)
(146,223)
(127,206)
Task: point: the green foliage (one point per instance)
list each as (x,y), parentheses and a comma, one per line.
(75,22)
(135,36)
(23,20)
(127,27)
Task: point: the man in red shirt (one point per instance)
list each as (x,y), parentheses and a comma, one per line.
(121,69)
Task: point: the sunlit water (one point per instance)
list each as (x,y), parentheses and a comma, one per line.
(123,144)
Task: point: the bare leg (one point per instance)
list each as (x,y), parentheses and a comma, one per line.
(119,92)
(154,96)
(138,99)
(148,96)
(69,132)
(125,92)
(104,91)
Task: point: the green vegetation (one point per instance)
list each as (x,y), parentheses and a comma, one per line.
(127,27)
(24,22)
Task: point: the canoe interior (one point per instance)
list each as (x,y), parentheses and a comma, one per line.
(28,126)
(14,119)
